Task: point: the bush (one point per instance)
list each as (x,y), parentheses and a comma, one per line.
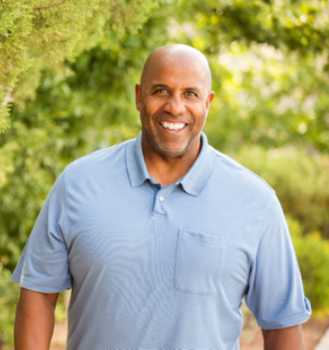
(9,292)
(313,258)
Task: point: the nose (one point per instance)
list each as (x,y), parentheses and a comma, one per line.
(175,105)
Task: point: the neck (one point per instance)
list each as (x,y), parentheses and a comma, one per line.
(167,170)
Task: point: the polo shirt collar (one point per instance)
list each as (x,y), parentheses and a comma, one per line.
(136,167)
(192,182)
(197,176)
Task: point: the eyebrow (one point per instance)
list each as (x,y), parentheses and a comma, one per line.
(192,88)
(159,85)
(189,88)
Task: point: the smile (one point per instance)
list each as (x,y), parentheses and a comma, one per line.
(172,126)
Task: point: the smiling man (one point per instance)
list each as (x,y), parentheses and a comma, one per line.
(173,99)
(161,237)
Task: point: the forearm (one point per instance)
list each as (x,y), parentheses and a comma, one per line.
(286,338)
(34,323)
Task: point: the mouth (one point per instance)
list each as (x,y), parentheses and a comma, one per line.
(172,126)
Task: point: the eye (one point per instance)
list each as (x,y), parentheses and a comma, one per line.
(160,91)
(190,94)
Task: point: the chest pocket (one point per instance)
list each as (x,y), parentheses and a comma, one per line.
(199,262)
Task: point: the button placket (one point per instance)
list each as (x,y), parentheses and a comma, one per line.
(159,203)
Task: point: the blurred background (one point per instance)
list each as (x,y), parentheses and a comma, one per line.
(67,75)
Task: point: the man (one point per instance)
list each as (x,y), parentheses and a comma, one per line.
(161,237)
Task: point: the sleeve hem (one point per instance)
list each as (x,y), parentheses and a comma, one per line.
(28,284)
(287,322)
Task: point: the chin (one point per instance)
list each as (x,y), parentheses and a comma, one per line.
(172,153)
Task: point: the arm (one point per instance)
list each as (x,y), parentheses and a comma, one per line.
(35,319)
(284,338)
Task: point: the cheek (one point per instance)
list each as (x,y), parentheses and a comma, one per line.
(200,112)
(152,109)
(196,107)
(146,115)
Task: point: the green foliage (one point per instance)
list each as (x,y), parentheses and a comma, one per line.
(37,34)
(4,110)
(9,292)
(301,181)
(299,26)
(269,98)
(313,258)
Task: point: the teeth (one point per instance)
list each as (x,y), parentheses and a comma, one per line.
(173,126)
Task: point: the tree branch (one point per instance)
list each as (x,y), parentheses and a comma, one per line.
(6,100)
(47,7)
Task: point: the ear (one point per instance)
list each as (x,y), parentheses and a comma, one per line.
(210,98)
(138,96)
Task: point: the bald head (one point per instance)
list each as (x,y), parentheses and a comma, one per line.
(180,54)
(173,100)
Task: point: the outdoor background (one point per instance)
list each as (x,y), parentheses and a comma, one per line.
(67,75)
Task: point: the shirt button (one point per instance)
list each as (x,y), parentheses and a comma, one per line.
(161,198)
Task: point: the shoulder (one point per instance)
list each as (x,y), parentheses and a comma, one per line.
(239,177)
(103,158)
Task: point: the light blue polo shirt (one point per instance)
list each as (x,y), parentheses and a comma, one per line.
(163,268)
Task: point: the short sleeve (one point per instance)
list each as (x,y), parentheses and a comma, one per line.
(43,265)
(275,294)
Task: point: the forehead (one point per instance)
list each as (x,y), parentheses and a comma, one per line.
(177,71)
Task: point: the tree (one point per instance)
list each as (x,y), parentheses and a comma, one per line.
(37,34)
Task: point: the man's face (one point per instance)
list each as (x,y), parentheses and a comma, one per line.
(173,102)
